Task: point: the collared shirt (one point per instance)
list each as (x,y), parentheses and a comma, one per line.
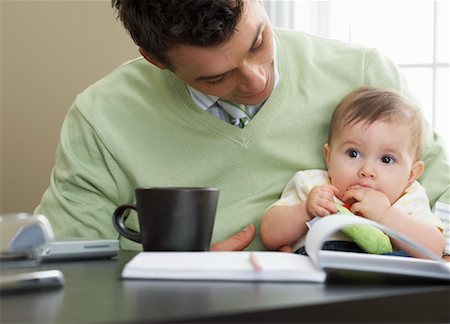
(209,102)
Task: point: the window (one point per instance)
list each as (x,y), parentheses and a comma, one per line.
(414,34)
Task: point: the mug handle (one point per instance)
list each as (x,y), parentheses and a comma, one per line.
(118,222)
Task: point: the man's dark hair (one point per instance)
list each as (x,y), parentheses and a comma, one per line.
(158,25)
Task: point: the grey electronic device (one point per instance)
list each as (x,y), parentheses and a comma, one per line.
(77,249)
(36,280)
(22,232)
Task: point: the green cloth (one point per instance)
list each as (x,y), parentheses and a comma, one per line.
(138,126)
(368,238)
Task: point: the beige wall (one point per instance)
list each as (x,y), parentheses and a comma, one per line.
(50,51)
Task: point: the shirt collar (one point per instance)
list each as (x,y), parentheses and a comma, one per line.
(206,101)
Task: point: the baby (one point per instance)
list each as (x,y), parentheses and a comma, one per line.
(373,160)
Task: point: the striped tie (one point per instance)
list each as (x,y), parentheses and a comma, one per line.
(238,112)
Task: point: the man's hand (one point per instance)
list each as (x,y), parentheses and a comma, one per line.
(237,242)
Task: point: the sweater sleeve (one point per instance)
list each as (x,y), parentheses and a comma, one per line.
(85,183)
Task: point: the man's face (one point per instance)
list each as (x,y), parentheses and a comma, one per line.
(239,70)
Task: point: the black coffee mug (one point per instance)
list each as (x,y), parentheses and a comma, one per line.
(171,219)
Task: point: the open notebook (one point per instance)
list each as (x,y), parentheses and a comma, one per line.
(277,266)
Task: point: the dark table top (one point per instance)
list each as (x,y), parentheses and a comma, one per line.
(94,292)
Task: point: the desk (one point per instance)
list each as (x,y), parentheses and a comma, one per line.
(94,293)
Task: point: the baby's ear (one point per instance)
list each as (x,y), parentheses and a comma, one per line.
(326,153)
(416,171)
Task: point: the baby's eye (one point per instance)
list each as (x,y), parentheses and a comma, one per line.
(353,153)
(387,159)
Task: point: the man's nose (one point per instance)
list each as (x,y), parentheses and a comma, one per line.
(254,78)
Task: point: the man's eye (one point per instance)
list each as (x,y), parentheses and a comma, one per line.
(259,44)
(387,159)
(216,80)
(353,153)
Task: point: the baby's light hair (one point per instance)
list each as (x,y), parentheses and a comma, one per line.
(370,104)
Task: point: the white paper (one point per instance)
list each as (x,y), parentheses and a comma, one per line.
(235,266)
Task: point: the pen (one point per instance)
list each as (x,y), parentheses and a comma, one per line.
(254,262)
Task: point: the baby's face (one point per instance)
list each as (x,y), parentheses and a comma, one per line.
(378,156)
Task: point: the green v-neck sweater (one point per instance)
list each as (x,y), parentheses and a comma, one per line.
(138,127)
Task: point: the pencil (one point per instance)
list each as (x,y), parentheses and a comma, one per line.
(254,262)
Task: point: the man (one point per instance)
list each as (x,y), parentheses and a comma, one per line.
(173,117)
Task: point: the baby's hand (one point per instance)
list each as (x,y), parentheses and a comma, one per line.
(320,201)
(367,202)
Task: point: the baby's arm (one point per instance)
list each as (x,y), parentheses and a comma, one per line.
(374,205)
(284,225)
